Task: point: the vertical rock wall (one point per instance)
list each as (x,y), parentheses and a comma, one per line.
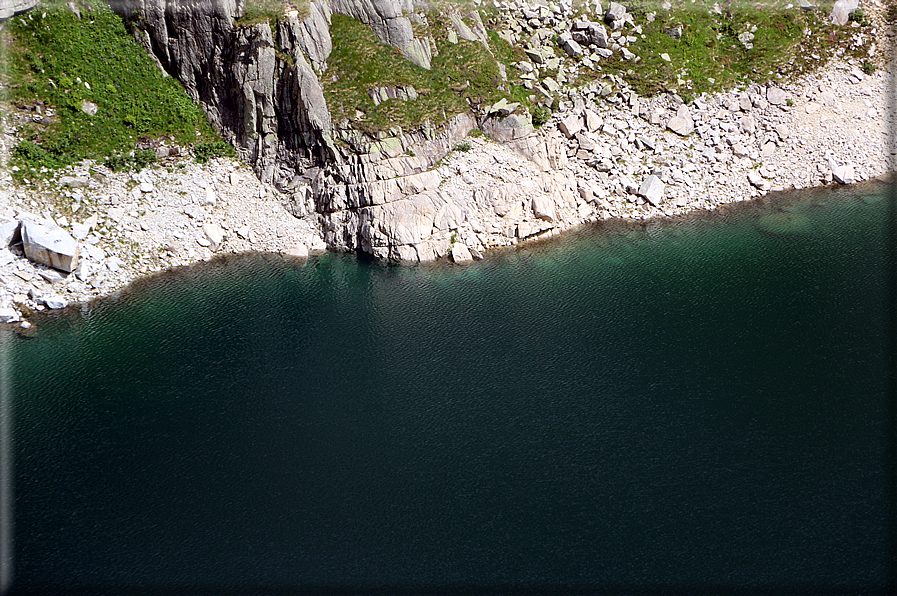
(260,93)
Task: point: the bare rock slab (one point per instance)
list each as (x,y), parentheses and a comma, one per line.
(49,245)
(460,253)
(543,208)
(570,125)
(844,174)
(682,123)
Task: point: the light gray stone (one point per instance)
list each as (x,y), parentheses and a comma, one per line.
(841,11)
(51,275)
(756,180)
(8,231)
(652,189)
(73,181)
(298,250)
(55,301)
(89,108)
(593,121)
(214,233)
(461,253)
(570,46)
(49,245)
(208,197)
(543,207)
(615,13)
(775,96)
(10,7)
(681,123)
(844,174)
(570,125)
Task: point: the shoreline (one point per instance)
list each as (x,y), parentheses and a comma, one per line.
(741,147)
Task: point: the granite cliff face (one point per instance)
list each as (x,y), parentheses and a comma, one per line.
(261,91)
(255,84)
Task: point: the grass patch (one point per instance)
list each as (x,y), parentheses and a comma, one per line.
(462,76)
(137,160)
(268,11)
(709,56)
(62,61)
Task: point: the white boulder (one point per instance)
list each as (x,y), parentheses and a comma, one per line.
(49,245)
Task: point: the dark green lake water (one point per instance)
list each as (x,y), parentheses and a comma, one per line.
(698,404)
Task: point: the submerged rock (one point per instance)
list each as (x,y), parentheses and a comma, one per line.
(783,223)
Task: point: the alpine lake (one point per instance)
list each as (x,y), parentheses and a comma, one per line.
(696,405)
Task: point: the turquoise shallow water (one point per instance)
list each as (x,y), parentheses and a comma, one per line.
(694,404)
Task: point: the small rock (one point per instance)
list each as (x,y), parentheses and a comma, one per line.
(652,189)
(841,11)
(146,187)
(8,315)
(755,179)
(775,96)
(89,108)
(298,250)
(681,123)
(51,275)
(844,174)
(55,301)
(73,181)
(570,125)
(543,208)
(208,198)
(8,231)
(214,233)
(593,121)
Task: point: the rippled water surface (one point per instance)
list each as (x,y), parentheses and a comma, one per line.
(693,404)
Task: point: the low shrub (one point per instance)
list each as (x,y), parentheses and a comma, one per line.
(203,152)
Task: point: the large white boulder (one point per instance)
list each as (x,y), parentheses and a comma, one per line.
(49,245)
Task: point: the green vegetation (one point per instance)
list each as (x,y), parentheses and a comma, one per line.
(63,61)
(137,160)
(463,146)
(541,115)
(268,11)
(710,57)
(203,152)
(462,75)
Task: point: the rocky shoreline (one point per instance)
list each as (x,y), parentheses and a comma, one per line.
(454,194)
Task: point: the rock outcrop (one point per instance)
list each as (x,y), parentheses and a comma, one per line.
(260,93)
(10,7)
(387,20)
